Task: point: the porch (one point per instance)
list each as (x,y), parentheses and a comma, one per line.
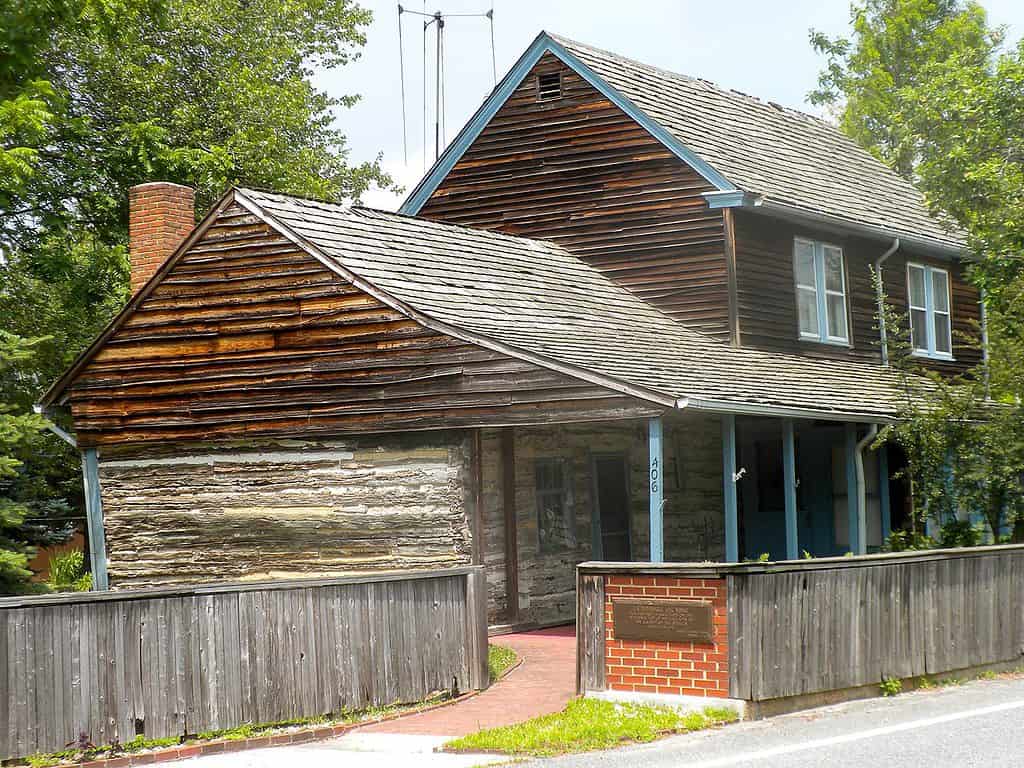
(688,486)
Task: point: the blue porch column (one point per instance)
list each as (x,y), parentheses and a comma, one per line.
(732,535)
(657,495)
(883,491)
(854,513)
(789,481)
(94,518)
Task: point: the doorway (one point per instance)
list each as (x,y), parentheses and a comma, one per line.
(610,519)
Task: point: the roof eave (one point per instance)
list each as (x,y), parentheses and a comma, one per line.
(542,44)
(762,204)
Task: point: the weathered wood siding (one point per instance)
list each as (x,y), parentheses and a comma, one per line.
(247,337)
(214,512)
(694,524)
(578,171)
(766,292)
(166,663)
(812,629)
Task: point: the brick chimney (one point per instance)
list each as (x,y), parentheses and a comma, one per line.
(160,216)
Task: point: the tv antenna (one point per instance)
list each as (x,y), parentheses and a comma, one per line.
(435,21)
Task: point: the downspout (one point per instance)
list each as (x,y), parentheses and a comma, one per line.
(880,294)
(862,493)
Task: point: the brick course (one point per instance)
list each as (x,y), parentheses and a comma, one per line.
(160,216)
(681,669)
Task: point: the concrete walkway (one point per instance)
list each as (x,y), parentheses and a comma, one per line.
(544,682)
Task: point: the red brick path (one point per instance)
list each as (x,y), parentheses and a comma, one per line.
(543,683)
(690,669)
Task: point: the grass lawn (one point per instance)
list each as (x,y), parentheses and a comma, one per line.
(588,724)
(499,660)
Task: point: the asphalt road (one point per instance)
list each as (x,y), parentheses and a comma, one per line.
(976,724)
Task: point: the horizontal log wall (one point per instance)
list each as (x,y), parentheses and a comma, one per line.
(694,524)
(578,171)
(246,336)
(191,513)
(766,293)
(167,663)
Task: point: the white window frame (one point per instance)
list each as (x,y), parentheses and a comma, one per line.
(821,294)
(931,314)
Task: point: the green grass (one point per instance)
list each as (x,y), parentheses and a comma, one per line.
(588,724)
(499,660)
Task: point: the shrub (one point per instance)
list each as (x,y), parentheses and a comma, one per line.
(68,572)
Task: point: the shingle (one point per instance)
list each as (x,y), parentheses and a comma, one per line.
(787,156)
(536,297)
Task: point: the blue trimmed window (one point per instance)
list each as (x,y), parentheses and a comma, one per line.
(928,302)
(820,292)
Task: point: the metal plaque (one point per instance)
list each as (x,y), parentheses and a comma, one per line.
(679,621)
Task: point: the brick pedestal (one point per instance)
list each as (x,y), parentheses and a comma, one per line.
(681,669)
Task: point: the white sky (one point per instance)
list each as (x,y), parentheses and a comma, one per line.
(757,47)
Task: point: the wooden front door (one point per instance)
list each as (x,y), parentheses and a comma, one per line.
(611,507)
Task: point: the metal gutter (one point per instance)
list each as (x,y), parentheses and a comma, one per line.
(748,409)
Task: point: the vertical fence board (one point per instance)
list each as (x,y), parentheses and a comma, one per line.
(172,662)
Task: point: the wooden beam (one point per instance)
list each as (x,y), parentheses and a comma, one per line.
(476,523)
(729,230)
(655,474)
(732,541)
(94,519)
(789,480)
(508,484)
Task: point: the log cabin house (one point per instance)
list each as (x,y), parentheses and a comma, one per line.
(628,315)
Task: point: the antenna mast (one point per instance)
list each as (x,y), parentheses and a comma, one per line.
(437,20)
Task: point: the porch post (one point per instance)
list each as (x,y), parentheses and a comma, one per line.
(94,519)
(508,490)
(883,491)
(789,478)
(854,512)
(654,436)
(732,542)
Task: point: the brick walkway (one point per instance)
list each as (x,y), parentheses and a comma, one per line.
(543,683)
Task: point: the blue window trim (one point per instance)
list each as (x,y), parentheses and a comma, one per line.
(821,296)
(541,45)
(929,351)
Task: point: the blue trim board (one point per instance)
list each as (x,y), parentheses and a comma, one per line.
(730,198)
(655,477)
(94,518)
(541,45)
(729,493)
(789,480)
(854,512)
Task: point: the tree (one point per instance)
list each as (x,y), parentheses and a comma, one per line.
(98,95)
(894,42)
(15,429)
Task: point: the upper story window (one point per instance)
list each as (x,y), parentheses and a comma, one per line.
(820,291)
(928,300)
(549,86)
(556,524)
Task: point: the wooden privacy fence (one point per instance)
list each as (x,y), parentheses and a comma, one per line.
(175,661)
(810,626)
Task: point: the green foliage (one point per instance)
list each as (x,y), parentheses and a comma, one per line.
(891,686)
(964,452)
(499,660)
(904,541)
(588,724)
(889,54)
(68,572)
(98,95)
(16,429)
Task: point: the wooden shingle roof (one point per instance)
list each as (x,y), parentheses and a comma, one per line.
(789,157)
(536,300)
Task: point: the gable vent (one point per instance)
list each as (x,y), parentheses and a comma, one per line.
(549,86)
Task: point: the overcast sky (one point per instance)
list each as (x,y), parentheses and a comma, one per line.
(757,47)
